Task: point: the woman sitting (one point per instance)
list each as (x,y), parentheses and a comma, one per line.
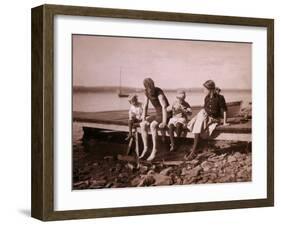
(208,118)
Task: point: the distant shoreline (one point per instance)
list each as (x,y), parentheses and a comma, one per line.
(106,89)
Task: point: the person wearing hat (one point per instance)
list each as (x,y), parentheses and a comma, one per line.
(159,101)
(208,118)
(135,113)
(181,110)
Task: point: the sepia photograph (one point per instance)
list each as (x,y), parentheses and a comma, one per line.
(160,112)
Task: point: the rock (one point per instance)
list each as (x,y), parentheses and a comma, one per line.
(184,171)
(218,164)
(166,171)
(189,180)
(193,162)
(207,166)
(143,169)
(109,157)
(195,171)
(150,172)
(146,180)
(109,185)
(243,174)
(217,158)
(203,156)
(127,158)
(222,145)
(231,158)
(97,183)
(162,180)
(189,173)
(95,164)
(223,179)
(81,183)
(136,181)
(153,167)
(238,155)
(130,166)
(172,163)
(248,161)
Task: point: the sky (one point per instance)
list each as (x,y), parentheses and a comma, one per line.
(98,60)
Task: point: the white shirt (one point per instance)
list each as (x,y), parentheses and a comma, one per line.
(135,111)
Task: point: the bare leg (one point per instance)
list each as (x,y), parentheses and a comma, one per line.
(130,124)
(153,129)
(172,139)
(194,148)
(144,135)
(179,128)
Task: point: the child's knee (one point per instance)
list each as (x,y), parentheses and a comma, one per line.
(153,125)
(178,125)
(171,126)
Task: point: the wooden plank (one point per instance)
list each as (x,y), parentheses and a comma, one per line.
(108,120)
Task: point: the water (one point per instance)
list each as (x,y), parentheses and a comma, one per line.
(106,101)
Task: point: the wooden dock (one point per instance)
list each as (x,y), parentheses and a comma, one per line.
(238,130)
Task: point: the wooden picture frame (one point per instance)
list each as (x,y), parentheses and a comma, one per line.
(43,112)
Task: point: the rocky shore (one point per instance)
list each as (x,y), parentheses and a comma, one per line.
(216,162)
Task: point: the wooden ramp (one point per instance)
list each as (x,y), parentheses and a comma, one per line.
(238,129)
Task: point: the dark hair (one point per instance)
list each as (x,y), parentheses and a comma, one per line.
(218,90)
(148,83)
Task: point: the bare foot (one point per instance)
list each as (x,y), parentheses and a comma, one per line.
(128,137)
(190,156)
(152,155)
(143,153)
(172,147)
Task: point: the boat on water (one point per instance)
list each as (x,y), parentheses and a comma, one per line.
(120,93)
(117,121)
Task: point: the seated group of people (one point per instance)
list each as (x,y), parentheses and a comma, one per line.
(176,116)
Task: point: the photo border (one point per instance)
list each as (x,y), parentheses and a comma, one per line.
(42,191)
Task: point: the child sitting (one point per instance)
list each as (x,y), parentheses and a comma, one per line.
(135,113)
(180,110)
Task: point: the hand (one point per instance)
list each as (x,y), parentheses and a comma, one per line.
(162,125)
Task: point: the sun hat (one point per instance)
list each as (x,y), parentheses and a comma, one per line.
(210,84)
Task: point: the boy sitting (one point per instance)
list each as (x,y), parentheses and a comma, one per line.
(135,113)
(180,110)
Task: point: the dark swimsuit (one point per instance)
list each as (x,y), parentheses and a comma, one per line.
(157,105)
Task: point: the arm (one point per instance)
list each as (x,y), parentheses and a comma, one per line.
(145,107)
(169,108)
(187,109)
(224,110)
(225,119)
(130,114)
(164,111)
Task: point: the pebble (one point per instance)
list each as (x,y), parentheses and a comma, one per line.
(231,158)
(207,166)
(166,171)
